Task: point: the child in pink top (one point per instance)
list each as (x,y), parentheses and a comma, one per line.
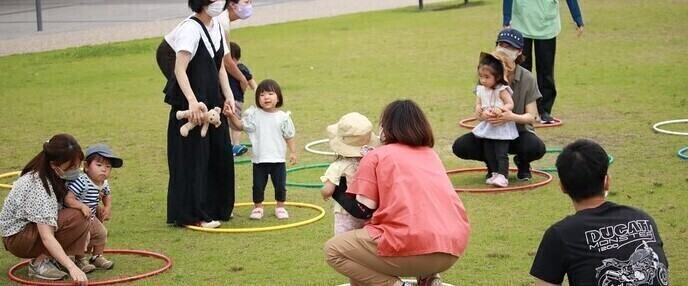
(418,226)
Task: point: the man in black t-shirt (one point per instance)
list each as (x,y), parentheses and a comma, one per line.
(602,243)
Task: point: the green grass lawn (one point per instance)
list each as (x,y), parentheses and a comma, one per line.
(627,72)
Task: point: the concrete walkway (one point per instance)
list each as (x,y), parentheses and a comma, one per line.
(73,23)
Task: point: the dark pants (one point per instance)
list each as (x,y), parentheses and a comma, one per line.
(496,155)
(545,51)
(278,175)
(165,56)
(528,147)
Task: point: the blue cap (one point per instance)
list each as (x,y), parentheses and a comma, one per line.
(511,36)
(104,150)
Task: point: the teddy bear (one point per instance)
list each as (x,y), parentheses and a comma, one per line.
(211,117)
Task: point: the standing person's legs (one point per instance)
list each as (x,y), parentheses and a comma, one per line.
(528,54)
(98,237)
(501,147)
(260,180)
(545,51)
(490,155)
(278,174)
(354,255)
(527,147)
(221,187)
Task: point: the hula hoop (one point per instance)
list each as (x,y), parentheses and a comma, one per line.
(7,175)
(555,122)
(559,150)
(266,228)
(499,190)
(656,127)
(168,264)
(326,153)
(682,153)
(307,185)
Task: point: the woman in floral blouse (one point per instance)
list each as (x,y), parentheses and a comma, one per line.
(32,221)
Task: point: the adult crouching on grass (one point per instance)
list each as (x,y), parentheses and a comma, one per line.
(418,226)
(528,146)
(32,221)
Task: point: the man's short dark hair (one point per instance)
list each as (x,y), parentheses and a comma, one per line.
(582,167)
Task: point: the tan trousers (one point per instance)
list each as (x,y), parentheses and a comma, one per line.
(97,233)
(354,255)
(72,229)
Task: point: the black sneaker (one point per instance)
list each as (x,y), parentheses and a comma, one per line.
(524,176)
(546,118)
(523,171)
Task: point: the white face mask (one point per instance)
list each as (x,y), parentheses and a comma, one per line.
(215,8)
(512,54)
(244,11)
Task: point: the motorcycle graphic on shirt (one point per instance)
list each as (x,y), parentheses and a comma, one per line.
(641,268)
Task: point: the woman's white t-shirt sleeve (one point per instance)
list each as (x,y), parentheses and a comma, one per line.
(187,38)
(224,41)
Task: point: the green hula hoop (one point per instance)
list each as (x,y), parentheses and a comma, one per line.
(307,185)
(559,150)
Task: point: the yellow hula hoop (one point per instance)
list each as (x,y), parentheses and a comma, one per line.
(7,175)
(266,228)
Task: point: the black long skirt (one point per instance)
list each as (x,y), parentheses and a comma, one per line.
(201,185)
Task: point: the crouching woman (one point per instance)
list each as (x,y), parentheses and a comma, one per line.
(33,224)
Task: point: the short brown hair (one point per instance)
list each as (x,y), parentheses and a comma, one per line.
(404,122)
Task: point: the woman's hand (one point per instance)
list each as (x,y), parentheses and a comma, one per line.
(503,118)
(78,275)
(198,110)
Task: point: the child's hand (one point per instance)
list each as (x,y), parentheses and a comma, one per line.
(104,213)
(497,112)
(292,158)
(86,211)
(326,195)
(478,111)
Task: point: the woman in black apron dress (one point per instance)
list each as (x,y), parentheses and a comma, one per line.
(201,184)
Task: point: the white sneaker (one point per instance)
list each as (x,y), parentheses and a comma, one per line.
(212,224)
(500,181)
(281,213)
(490,179)
(256,213)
